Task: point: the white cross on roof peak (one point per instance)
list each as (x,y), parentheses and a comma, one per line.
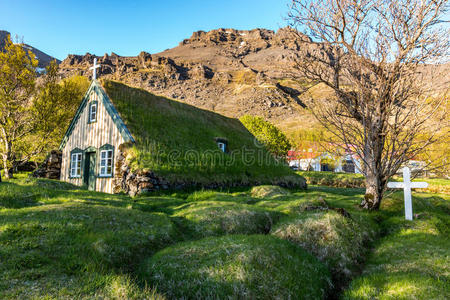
(94,69)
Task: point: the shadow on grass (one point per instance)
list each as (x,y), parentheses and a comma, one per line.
(19,194)
(14,196)
(77,242)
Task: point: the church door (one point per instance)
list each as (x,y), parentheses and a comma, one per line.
(89,170)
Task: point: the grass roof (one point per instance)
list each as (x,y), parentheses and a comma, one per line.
(179,141)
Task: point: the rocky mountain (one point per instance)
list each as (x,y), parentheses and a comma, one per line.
(44,59)
(233,72)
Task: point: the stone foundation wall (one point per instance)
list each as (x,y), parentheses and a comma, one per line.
(134,183)
(51,167)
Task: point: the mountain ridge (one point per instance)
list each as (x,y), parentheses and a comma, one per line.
(229,71)
(233,72)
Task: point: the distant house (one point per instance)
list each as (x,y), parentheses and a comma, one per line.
(127,139)
(312,160)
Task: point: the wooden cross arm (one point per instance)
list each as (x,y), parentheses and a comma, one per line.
(419,185)
(395,185)
(413,185)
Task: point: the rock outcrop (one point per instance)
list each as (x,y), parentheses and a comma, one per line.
(233,72)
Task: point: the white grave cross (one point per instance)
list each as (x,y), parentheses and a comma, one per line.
(407,185)
(94,69)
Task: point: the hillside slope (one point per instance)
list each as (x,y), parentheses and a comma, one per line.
(44,59)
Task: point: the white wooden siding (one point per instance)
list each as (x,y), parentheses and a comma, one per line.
(96,134)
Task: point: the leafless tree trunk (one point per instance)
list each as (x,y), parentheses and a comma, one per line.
(7,157)
(371,54)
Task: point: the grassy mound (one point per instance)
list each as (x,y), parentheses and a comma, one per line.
(237,267)
(292,205)
(334,239)
(75,250)
(214,218)
(210,195)
(268,191)
(413,263)
(178,142)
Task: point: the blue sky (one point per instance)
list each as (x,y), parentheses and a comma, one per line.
(127,27)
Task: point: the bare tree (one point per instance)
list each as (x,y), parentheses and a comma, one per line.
(372,54)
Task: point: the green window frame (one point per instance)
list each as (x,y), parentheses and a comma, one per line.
(93,111)
(76,163)
(106,161)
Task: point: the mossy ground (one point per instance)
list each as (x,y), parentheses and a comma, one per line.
(59,241)
(339,241)
(215,218)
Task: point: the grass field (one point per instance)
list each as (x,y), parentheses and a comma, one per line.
(58,241)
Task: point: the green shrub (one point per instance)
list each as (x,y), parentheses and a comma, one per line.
(334,239)
(237,267)
(213,218)
(268,134)
(69,250)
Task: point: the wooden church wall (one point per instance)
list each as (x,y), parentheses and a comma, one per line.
(85,135)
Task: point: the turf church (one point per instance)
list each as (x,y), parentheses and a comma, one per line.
(89,147)
(110,145)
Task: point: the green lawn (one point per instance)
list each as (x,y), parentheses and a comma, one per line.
(412,259)
(59,241)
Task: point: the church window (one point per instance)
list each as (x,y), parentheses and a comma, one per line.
(93,111)
(222,146)
(75,165)
(106,161)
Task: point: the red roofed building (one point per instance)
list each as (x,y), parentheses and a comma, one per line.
(313,160)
